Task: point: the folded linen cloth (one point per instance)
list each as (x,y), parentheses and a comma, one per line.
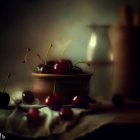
(15,122)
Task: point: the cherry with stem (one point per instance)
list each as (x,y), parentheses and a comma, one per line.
(49,48)
(46,66)
(4,97)
(81,100)
(65,47)
(26,56)
(66,113)
(63,66)
(40,58)
(54,101)
(25,60)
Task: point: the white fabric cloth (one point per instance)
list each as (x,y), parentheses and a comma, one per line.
(15,122)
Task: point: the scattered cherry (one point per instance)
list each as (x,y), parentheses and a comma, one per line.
(50,101)
(54,101)
(118,101)
(58,98)
(28,96)
(4,100)
(63,66)
(33,114)
(65,113)
(80,101)
(4,97)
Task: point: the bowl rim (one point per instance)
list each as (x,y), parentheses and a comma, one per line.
(39,75)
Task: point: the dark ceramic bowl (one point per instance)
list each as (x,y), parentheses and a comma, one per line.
(66,85)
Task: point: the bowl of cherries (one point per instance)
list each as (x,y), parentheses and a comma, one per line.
(63,77)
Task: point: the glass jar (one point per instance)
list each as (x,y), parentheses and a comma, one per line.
(99,52)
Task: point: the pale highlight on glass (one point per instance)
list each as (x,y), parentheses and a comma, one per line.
(91,46)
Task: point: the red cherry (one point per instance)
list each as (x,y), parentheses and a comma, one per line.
(4,100)
(50,63)
(27,96)
(80,101)
(50,102)
(58,98)
(42,68)
(33,114)
(46,68)
(66,113)
(4,97)
(62,67)
(54,101)
(76,70)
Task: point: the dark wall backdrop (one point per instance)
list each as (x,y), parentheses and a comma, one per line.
(37,23)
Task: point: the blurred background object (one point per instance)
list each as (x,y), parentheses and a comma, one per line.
(124,37)
(99,52)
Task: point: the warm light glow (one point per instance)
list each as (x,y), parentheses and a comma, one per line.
(17,94)
(111,57)
(92,42)
(91,47)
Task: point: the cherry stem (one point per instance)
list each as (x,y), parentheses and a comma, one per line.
(83,62)
(26,55)
(54,87)
(16,103)
(65,47)
(48,53)
(26,58)
(6,82)
(40,58)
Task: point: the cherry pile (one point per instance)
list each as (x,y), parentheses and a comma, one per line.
(45,68)
(55,102)
(62,66)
